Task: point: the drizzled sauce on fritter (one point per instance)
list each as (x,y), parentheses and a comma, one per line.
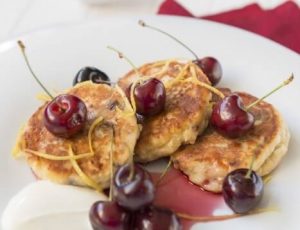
(177,193)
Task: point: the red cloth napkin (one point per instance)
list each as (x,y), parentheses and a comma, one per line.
(281,24)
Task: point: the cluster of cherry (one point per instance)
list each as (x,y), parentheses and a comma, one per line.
(133,189)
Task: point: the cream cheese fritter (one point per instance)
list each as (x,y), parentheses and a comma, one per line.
(186,112)
(114,133)
(213,156)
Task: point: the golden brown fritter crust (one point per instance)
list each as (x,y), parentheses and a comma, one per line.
(100,100)
(213,156)
(186,111)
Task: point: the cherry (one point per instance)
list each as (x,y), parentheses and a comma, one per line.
(135,191)
(155,218)
(241,192)
(91,74)
(107,215)
(150,97)
(211,67)
(230,118)
(65,115)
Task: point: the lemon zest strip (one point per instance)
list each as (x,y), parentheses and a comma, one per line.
(194,79)
(205,85)
(96,122)
(163,62)
(43,97)
(164,69)
(183,71)
(178,77)
(159,63)
(127,103)
(57,158)
(87,180)
(132,100)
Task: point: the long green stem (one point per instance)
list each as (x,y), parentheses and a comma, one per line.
(22,47)
(111,164)
(121,55)
(286,82)
(142,23)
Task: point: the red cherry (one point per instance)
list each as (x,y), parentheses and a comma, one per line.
(65,115)
(242,193)
(230,118)
(107,215)
(211,67)
(135,193)
(150,97)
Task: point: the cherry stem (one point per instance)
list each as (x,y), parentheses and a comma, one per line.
(111,165)
(163,174)
(22,47)
(286,82)
(143,24)
(251,167)
(121,55)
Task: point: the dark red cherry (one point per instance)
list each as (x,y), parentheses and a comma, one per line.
(150,97)
(155,218)
(107,215)
(65,115)
(212,68)
(133,193)
(91,74)
(241,193)
(230,118)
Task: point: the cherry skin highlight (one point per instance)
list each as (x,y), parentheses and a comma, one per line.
(65,115)
(230,118)
(241,193)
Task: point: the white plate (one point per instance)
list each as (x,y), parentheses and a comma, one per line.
(250,63)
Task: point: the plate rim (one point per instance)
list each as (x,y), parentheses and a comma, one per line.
(9,43)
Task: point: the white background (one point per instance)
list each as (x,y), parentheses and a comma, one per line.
(22,16)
